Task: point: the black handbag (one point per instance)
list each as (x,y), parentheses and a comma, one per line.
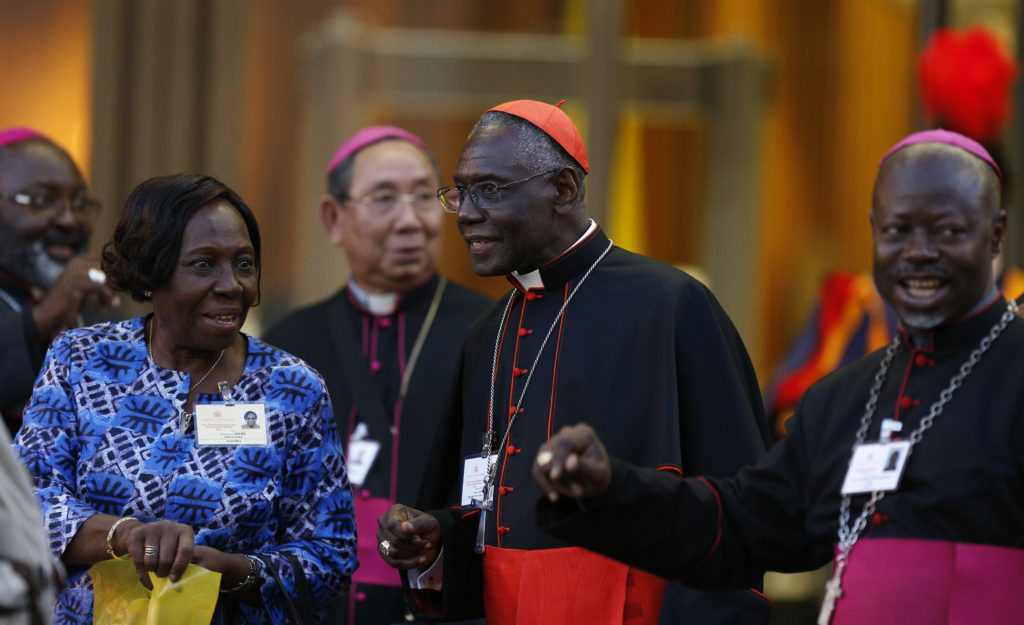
(299,606)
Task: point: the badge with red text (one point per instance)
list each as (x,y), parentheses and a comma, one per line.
(876,467)
(474,475)
(231,425)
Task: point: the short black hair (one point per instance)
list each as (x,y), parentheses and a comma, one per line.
(147,238)
(339,179)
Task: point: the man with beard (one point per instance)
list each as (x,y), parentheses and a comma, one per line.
(46,279)
(906,465)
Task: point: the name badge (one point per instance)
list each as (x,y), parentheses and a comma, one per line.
(876,466)
(474,474)
(231,425)
(361,454)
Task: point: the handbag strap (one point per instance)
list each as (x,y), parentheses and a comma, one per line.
(301,614)
(302,591)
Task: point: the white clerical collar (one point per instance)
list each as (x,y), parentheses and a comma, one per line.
(533,279)
(380,304)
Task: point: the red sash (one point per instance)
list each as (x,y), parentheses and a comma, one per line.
(892,581)
(567,586)
(372,568)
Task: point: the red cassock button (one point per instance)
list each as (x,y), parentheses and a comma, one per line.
(375,366)
(510,450)
(516,372)
(878,518)
(907,402)
(524,331)
(921,360)
(511,410)
(504,490)
(385,322)
(503,530)
(530,296)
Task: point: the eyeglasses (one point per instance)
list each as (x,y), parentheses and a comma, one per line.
(385,203)
(47,205)
(485,195)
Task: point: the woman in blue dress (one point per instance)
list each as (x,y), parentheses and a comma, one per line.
(131,430)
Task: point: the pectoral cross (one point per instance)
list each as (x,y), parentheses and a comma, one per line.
(484,503)
(832,593)
(481,529)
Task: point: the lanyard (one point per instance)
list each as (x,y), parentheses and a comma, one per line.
(489,436)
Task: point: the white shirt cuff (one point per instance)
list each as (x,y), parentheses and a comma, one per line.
(430,578)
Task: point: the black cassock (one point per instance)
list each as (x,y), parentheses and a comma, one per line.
(645,354)
(963,483)
(362,357)
(21,351)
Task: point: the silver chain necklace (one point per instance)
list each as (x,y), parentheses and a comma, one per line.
(489,435)
(848,535)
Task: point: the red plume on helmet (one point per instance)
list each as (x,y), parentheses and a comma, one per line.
(965,79)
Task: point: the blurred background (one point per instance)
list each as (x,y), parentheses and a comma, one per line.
(740,137)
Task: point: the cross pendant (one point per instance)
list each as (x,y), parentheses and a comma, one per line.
(481,531)
(828,605)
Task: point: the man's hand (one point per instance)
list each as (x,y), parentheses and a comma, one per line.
(407,538)
(574,463)
(73,289)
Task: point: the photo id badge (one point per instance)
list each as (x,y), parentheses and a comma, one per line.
(876,466)
(231,425)
(474,474)
(361,454)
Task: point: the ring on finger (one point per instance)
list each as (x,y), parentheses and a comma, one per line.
(97,276)
(544,458)
(385,547)
(151,550)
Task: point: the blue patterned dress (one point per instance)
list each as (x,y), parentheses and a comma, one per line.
(102,434)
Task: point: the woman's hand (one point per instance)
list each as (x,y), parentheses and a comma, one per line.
(163,548)
(233,569)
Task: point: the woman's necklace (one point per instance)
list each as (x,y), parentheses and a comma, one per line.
(186,416)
